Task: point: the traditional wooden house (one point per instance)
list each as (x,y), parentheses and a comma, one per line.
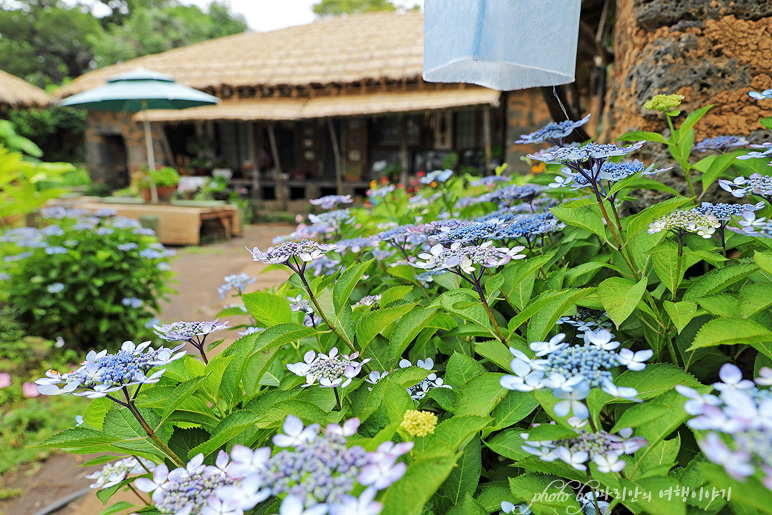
(311,110)
(15,93)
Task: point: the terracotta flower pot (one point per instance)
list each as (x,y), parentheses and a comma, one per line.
(164,193)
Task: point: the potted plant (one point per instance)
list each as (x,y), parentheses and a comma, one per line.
(165,179)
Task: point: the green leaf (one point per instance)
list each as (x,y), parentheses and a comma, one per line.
(474,313)
(180,394)
(492,285)
(454,432)
(480,395)
(544,432)
(397,401)
(545,494)
(228,428)
(620,297)
(766,122)
(764,260)
(692,118)
(117,508)
(545,319)
(642,136)
(639,414)
(469,506)
(512,409)
(651,503)
(680,313)
(423,477)
(719,280)
(639,221)
(721,304)
(496,352)
(461,369)
(509,444)
(267,308)
(394,294)
(374,322)
(464,478)
(754,298)
(491,495)
(751,492)
(407,329)
(713,166)
(346,284)
(664,259)
(584,217)
(733,331)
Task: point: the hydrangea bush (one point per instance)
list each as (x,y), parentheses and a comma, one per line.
(84,277)
(473,346)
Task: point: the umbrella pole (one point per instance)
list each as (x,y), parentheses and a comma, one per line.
(150,155)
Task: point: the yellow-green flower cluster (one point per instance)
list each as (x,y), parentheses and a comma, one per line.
(663,103)
(419,423)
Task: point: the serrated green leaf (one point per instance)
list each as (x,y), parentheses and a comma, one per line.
(423,477)
(346,284)
(228,428)
(267,308)
(117,508)
(584,217)
(545,319)
(653,503)
(461,369)
(407,329)
(754,298)
(509,444)
(763,260)
(394,294)
(496,352)
(181,394)
(452,433)
(642,136)
(719,280)
(480,395)
(464,478)
(512,409)
(733,331)
(374,322)
(544,494)
(639,414)
(680,313)
(620,297)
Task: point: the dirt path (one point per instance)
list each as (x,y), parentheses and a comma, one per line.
(199,271)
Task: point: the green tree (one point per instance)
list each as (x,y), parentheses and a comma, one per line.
(151,31)
(45,41)
(336,7)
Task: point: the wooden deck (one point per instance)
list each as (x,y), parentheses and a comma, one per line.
(178,224)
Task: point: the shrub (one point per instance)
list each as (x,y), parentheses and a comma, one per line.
(87,279)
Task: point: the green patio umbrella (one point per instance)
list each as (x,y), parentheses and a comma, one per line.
(140,90)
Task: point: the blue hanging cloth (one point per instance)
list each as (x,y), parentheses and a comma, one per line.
(501,44)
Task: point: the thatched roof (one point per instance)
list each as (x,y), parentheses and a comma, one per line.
(339,50)
(16,92)
(320,107)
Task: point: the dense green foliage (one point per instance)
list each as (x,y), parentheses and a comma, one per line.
(90,280)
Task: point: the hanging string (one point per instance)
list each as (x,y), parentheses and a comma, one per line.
(555,94)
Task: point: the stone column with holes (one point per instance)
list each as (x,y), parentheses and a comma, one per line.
(709,51)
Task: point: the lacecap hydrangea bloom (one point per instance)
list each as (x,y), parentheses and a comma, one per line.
(553,132)
(331,370)
(756,184)
(682,222)
(103,373)
(316,472)
(741,409)
(437,176)
(331,201)
(466,258)
(663,103)
(239,282)
(600,447)
(417,391)
(720,143)
(115,472)
(572,371)
(752,226)
(291,253)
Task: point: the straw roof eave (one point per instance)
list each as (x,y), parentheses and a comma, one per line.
(15,92)
(341,50)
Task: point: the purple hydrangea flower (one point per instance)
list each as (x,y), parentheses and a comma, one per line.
(553,132)
(331,201)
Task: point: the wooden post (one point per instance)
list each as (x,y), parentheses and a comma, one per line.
(487,137)
(280,183)
(336,154)
(252,156)
(403,154)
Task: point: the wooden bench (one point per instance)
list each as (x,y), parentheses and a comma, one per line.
(177,224)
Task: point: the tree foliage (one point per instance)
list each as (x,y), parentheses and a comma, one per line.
(337,7)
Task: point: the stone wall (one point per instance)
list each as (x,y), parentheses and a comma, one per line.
(526,112)
(115,142)
(712,52)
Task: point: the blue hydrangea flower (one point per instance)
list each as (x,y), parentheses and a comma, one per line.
(720,143)
(331,201)
(133,302)
(756,184)
(725,212)
(103,373)
(437,176)
(303,251)
(239,282)
(741,410)
(115,472)
(329,369)
(766,94)
(553,132)
(55,287)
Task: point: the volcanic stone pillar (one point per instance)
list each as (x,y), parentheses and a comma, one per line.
(711,52)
